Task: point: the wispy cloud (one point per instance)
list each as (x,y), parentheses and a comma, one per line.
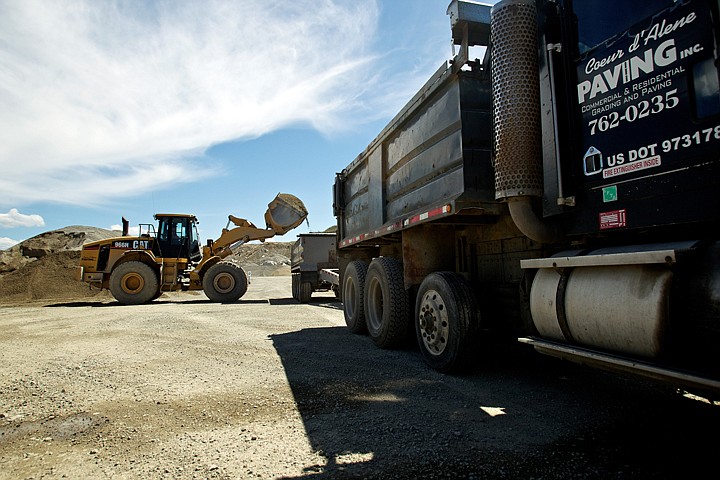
(99,100)
(13,219)
(6,243)
(132,230)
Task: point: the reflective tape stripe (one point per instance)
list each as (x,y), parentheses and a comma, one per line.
(444,210)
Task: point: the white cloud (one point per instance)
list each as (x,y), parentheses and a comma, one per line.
(107,99)
(134,231)
(6,243)
(14,219)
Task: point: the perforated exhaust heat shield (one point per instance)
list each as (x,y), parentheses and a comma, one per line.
(516,99)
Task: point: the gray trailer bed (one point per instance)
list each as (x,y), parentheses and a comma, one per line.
(313,265)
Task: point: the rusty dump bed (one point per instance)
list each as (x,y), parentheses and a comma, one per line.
(430,162)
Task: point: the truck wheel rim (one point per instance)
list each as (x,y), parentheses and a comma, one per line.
(434,324)
(132,283)
(223,283)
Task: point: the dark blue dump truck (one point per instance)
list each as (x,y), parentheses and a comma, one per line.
(556,182)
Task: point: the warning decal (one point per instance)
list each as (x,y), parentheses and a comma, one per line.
(614,219)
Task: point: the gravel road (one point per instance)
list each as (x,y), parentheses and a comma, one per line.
(269,388)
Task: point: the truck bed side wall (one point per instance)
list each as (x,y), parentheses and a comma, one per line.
(436,151)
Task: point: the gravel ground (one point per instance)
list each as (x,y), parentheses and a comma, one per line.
(269,388)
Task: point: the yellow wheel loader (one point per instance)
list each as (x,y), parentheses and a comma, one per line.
(137,269)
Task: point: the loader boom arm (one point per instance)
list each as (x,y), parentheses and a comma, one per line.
(243,232)
(284,213)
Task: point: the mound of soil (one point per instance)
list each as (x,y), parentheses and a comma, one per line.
(69,238)
(49,277)
(267,259)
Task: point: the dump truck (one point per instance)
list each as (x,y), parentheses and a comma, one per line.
(557,183)
(138,269)
(313,265)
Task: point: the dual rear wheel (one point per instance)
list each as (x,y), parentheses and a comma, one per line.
(353,296)
(445,317)
(387,308)
(446,321)
(301,291)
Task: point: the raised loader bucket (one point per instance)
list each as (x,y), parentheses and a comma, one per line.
(285,213)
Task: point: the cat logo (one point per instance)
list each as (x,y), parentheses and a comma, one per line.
(134,245)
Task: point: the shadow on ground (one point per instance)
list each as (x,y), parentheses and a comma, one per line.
(382,414)
(154,302)
(325,302)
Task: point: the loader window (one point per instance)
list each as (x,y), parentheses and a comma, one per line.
(178,238)
(179,229)
(596,25)
(164,230)
(171,236)
(194,243)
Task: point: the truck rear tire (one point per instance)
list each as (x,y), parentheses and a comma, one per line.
(225,282)
(446,321)
(387,308)
(295,278)
(305,292)
(352,296)
(133,283)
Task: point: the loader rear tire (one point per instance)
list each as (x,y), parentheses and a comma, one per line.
(225,282)
(133,283)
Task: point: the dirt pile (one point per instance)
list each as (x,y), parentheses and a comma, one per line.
(65,239)
(51,276)
(265,259)
(43,267)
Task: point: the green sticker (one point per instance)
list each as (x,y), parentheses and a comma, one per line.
(610,194)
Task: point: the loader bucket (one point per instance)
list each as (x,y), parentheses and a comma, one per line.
(285,213)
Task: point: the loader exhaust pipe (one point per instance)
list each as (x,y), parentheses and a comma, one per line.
(516,115)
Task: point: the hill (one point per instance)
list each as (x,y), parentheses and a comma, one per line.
(62,240)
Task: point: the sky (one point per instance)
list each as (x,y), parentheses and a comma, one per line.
(112,109)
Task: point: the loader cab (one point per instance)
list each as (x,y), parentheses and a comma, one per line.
(177,237)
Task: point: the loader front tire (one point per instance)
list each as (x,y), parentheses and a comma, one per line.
(133,283)
(225,282)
